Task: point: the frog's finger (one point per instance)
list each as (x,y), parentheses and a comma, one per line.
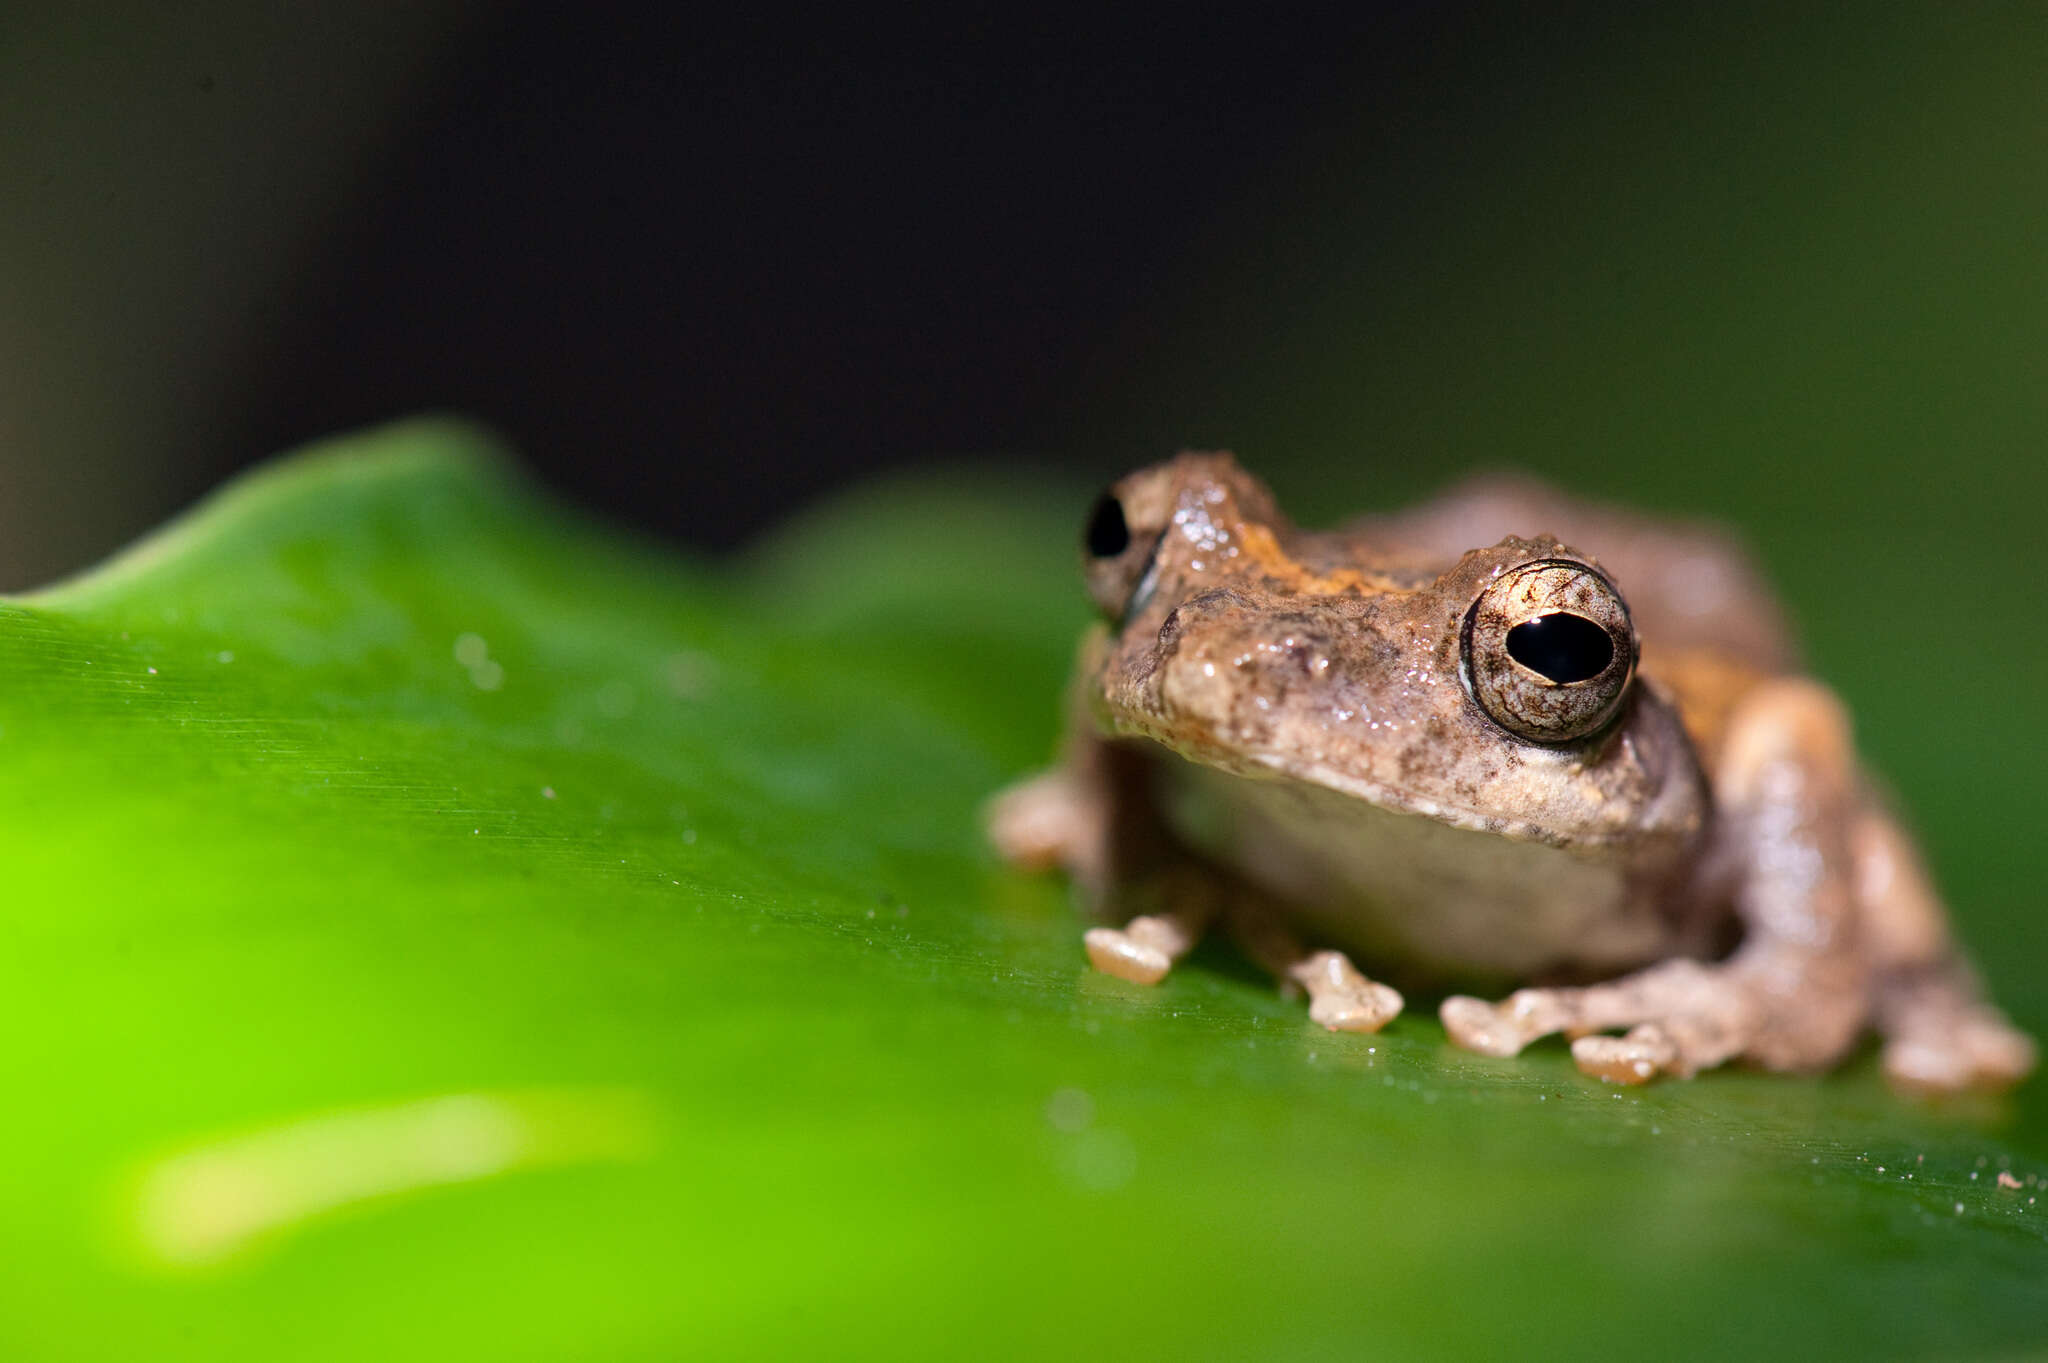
(1685,1017)
(1503,1029)
(1679,1046)
(1144,949)
(1340,998)
(1637,1058)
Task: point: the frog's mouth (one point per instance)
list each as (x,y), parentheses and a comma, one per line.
(1257,766)
(1672,808)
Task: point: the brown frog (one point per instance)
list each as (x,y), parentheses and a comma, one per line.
(1461,766)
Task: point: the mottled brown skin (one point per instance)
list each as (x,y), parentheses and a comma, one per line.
(1336,743)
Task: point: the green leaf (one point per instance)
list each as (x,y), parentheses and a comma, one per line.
(440,930)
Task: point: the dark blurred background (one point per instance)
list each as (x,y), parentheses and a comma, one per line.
(698,264)
(702,265)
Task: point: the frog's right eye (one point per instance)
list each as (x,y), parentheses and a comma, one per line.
(1119,559)
(1549,650)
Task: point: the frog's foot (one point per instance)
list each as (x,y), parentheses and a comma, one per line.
(1682,1017)
(1043,822)
(1679,1046)
(1940,1038)
(1144,949)
(1984,1052)
(1647,1051)
(1340,998)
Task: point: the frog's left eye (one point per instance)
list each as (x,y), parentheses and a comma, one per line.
(1119,557)
(1549,650)
(1109,534)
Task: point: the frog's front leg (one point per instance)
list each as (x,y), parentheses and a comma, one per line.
(1146,948)
(1339,996)
(1799,990)
(1682,1017)
(1070,817)
(1941,1035)
(1092,816)
(1062,818)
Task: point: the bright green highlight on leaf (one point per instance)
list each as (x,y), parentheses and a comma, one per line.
(438,930)
(214,1201)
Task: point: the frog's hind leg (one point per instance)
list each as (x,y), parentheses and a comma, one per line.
(1802,986)
(1941,1037)
(1339,997)
(1864,940)
(1940,1034)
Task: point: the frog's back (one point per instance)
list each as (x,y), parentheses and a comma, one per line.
(1710,627)
(1690,585)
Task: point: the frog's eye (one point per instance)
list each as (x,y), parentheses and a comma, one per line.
(1108,533)
(1119,557)
(1549,650)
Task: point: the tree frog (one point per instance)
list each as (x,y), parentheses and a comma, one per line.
(1388,760)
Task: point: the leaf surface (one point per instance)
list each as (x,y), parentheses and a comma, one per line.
(440,930)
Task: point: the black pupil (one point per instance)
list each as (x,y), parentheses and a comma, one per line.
(1108,536)
(1565,648)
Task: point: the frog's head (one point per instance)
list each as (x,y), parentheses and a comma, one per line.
(1496,692)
